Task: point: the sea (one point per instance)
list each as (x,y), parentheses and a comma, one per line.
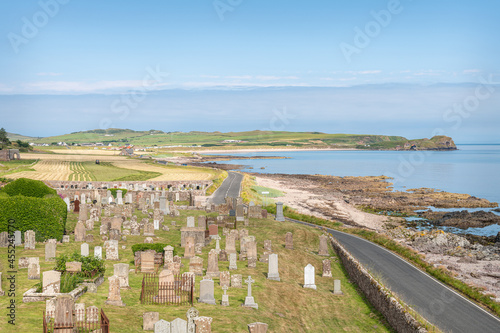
(473,169)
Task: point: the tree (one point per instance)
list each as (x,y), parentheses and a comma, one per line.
(4,140)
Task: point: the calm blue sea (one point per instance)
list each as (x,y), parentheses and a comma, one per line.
(473,169)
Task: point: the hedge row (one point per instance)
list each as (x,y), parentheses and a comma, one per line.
(46,216)
(158,247)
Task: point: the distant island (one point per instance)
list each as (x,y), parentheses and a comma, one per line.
(195,140)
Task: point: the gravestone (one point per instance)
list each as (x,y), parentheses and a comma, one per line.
(178,325)
(213,264)
(68,204)
(2,293)
(121,271)
(196,266)
(149,319)
(323,246)
(89,238)
(222,255)
(191,314)
(83,213)
(309,277)
(257,328)
(225,297)
(268,245)
(213,230)
(73,266)
(50,250)
(225,278)
(236,281)
(190,222)
(233,261)
(134,229)
(169,254)
(22,263)
(119,197)
(80,232)
(327,268)
(336,287)
(240,213)
(29,240)
(114,296)
(98,252)
(64,305)
(249,300)
(111,248)
(148,261)
(279,212)
(17,238)
(84,249)
(33,268)
(202,221)
(217,242)
(189,248)
(51,282)
(230,243)
(80,311)
(149,229)
(207,291)
(272,272)
(162,326)
(289,241)
(203,324)
(76,209)
(4,239)
(65,239)
(148,240)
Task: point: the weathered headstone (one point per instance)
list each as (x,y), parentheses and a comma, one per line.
(223,255)
(64,305)
(114,296)
(51,282)
(279,212)
(202,221)
(233,261)
(323,246)
(327,268)
(121,271)
(230,243)
(213,264)
(309,277)
(22,262)
(147,261)
(225,278)
(236,281)
(149,319)
(149,229)
(73,266)
(33,268)
(50,250)
(98,252)
(213,230)
(4,239)
(249,300)
(190,222)
(111,247)
(289,241)
(17,238)
(84,249)
(272,272)
(169,254)
(203,324)
(337,290)
(257,328)
(80,232)
(65,239)
(29,240)
(178,325)
(207,291)
(189,248)
(196,266)
(162,326)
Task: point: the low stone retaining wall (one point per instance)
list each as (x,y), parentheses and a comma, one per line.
(32,296)
(396,315)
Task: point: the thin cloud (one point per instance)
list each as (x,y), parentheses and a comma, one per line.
(469,71)
(49,74)
(86,87)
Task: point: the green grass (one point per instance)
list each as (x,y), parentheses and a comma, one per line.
(106,171)
(285,305)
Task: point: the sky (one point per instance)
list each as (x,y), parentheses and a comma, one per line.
(395,67)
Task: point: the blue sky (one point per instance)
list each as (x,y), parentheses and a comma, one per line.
(78,56)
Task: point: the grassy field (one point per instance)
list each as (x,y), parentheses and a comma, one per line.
(285,305)
(249,139)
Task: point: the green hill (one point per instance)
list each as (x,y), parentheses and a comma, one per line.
(249,139)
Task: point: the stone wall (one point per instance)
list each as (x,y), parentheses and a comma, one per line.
(148,185)
(377,295)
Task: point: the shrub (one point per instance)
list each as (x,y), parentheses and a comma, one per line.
(158,247)
(91,265)
(28,188)
(46,216)
(114,190)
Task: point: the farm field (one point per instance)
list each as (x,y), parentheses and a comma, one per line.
(82,167)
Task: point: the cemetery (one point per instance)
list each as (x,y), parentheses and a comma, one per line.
(198,267)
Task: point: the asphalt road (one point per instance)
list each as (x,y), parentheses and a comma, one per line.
(440,305)
(230,188)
